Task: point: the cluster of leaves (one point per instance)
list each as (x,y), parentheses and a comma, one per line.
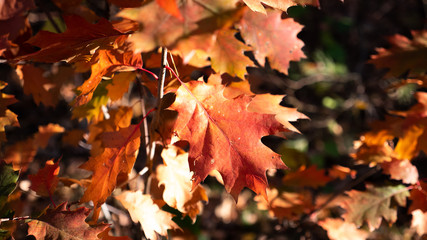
(196,111)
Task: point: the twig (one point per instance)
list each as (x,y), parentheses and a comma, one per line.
(49,16)
(161,84)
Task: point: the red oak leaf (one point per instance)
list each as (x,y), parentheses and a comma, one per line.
(225,136)
(109,61)
(79,39)
(46,179)
(273,38)
(118,157)
(256,5)
(60,223)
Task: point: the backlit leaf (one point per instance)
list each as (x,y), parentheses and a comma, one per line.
(46,179)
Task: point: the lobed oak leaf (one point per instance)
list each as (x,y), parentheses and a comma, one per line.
(109,61)
(37,85)
(175,176)
(401,170)
(373,204)
(46,179)
(225,136)
(154,221)
(340,230)
(283,5)
(286,205)
(272,37)
(60,223)
(78,40)
(118,157)
(307,177)
(413,51)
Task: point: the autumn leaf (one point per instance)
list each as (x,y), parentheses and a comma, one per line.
(46,179)
(213,125)
(257,5)
(340,230)
(78,40)
(11,8)
(21,154)
(175,176)
(413,51)
(120,85)
(419,220)
(60,223)
(285,205)
(171,7)
(273,38)
(109,62)
(307,177)
(45,132)
(118,157)
(37,85)
(373,204)
(401,170)
(142,209)
(419,197)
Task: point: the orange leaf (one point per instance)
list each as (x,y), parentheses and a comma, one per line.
(287,205)
(256,5)
(120,85)
(273,38)
(412,50)
(227,54)
(171,7)
(109,62)
(307,177)
(142,209)
(79,39)
(225,136)
(37,85)
(45,132)
(46,179)
(21,154)
(60,223)
(176,178)
(117,158)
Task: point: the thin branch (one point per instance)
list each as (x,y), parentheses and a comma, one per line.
(161,83)
(49,16)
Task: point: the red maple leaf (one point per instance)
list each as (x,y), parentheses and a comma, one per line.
(225,136)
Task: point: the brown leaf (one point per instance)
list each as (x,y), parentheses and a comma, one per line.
(60,223)
(373,204)
(46,179)
(154,221)
(419,197)
(225,136)
(21,154)
(273,38)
